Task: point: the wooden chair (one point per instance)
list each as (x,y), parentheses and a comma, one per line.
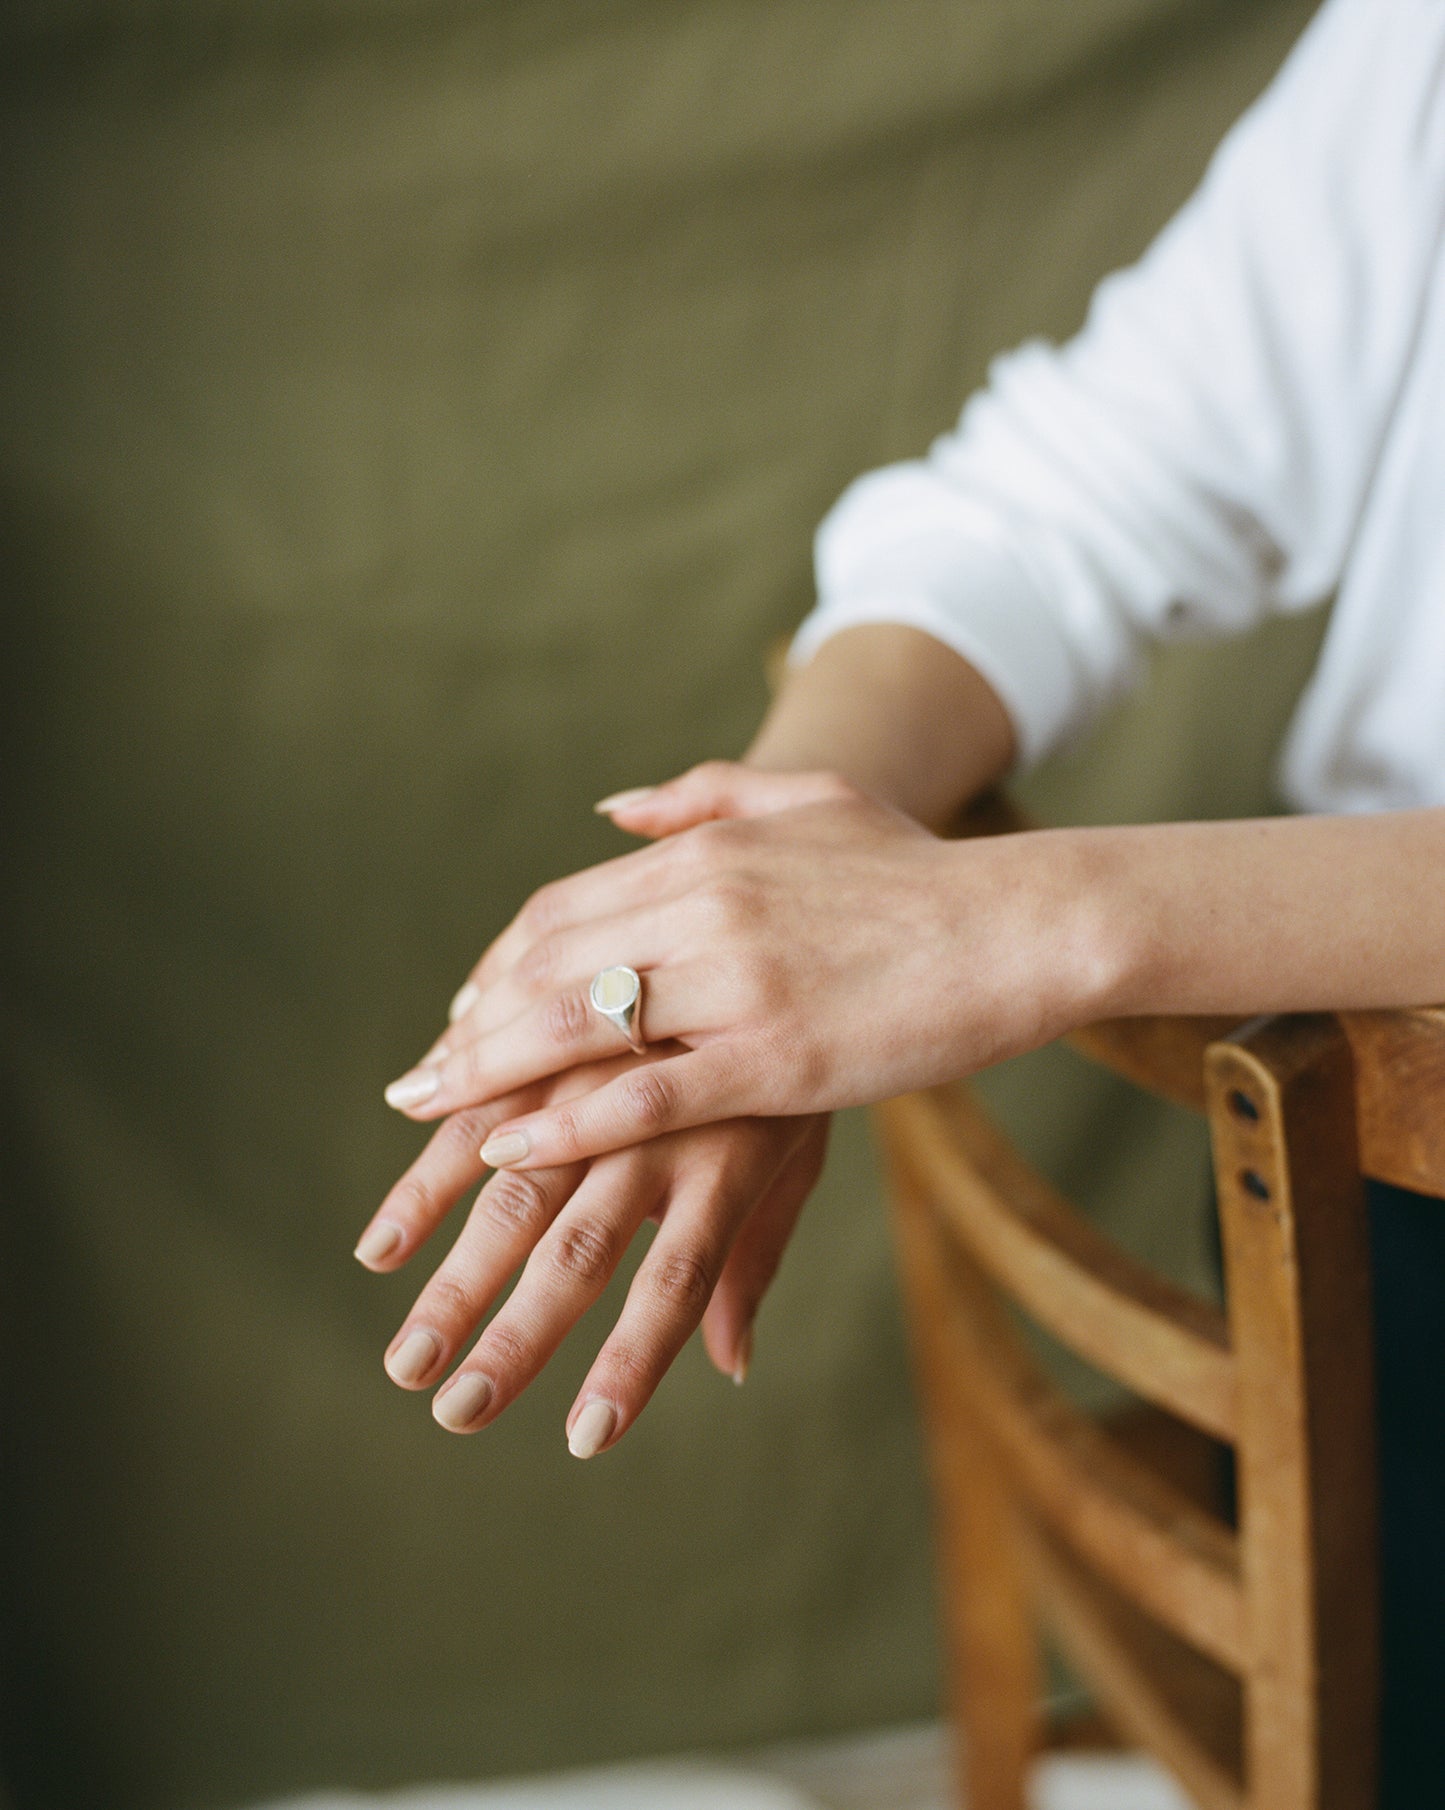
(1269,1617)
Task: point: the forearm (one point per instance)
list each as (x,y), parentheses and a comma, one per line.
(1281,914)
(1276,914)
(896,712)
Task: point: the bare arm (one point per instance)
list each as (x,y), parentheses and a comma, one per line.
(1281,914)
(981,949)
(1278,914)
(771,941)
(896,713)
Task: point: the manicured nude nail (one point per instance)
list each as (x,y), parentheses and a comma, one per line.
(744,1358)
(413,1089)
(623,801)
(377,1243)
(463,1400)
(464,1001)
(592,1429)
(511,1147)
(415,1355)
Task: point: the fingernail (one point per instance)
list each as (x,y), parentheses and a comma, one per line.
(511,1147)
(462,1401)
(436,1055)
(412,1089)
(745,1358)
(414,1356)
(464,1001)
(592,1429)
(622,801)
(377,1243)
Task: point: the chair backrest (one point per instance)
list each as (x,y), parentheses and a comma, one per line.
(1040,1510)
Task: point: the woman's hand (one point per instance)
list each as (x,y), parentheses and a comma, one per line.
(726,1198)
(822,954)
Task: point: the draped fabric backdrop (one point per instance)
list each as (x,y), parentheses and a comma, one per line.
(413,418)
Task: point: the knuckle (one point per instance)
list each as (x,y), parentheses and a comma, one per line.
(566,1019)
(508,1349)
(568,1129)
(584,1252)
(809,1065)
(630,1366)
(460,1136)
(688,856)
(518,1203)
(684,1280)
(763,987)
(537,964)
(539,914)
(411,1199)
(650,1099)
(728,904)
(468,1068)
(449,1300)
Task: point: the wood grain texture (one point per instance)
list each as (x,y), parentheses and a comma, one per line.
(1301,1108)
(1153,1543)
(1163,1055)
(995,1673)
(1296,1251)
(1399,1079)
(1132,1673)
(1400,1095)
(1160,1341)
(1288,1605)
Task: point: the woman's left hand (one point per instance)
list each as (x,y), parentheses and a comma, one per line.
(818,955)
(725,1199)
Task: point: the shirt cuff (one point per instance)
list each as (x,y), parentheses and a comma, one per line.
(1000,628)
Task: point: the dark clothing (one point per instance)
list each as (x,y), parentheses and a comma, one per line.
(1407,1238)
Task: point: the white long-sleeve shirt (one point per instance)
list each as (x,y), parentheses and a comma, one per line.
(1252,417)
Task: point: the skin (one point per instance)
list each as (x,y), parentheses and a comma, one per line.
(725,1199)
(791,903)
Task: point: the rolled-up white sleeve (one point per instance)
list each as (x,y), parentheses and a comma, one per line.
(1196,458)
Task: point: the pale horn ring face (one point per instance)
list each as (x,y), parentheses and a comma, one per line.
(617,994)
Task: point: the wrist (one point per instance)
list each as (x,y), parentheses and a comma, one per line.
(1072,938)
(1109,946)
(1145,918)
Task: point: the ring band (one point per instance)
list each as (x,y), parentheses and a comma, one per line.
(617,994)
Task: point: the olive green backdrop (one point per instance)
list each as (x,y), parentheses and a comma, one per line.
(414,419)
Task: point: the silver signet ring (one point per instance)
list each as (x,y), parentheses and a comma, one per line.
(617,994)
